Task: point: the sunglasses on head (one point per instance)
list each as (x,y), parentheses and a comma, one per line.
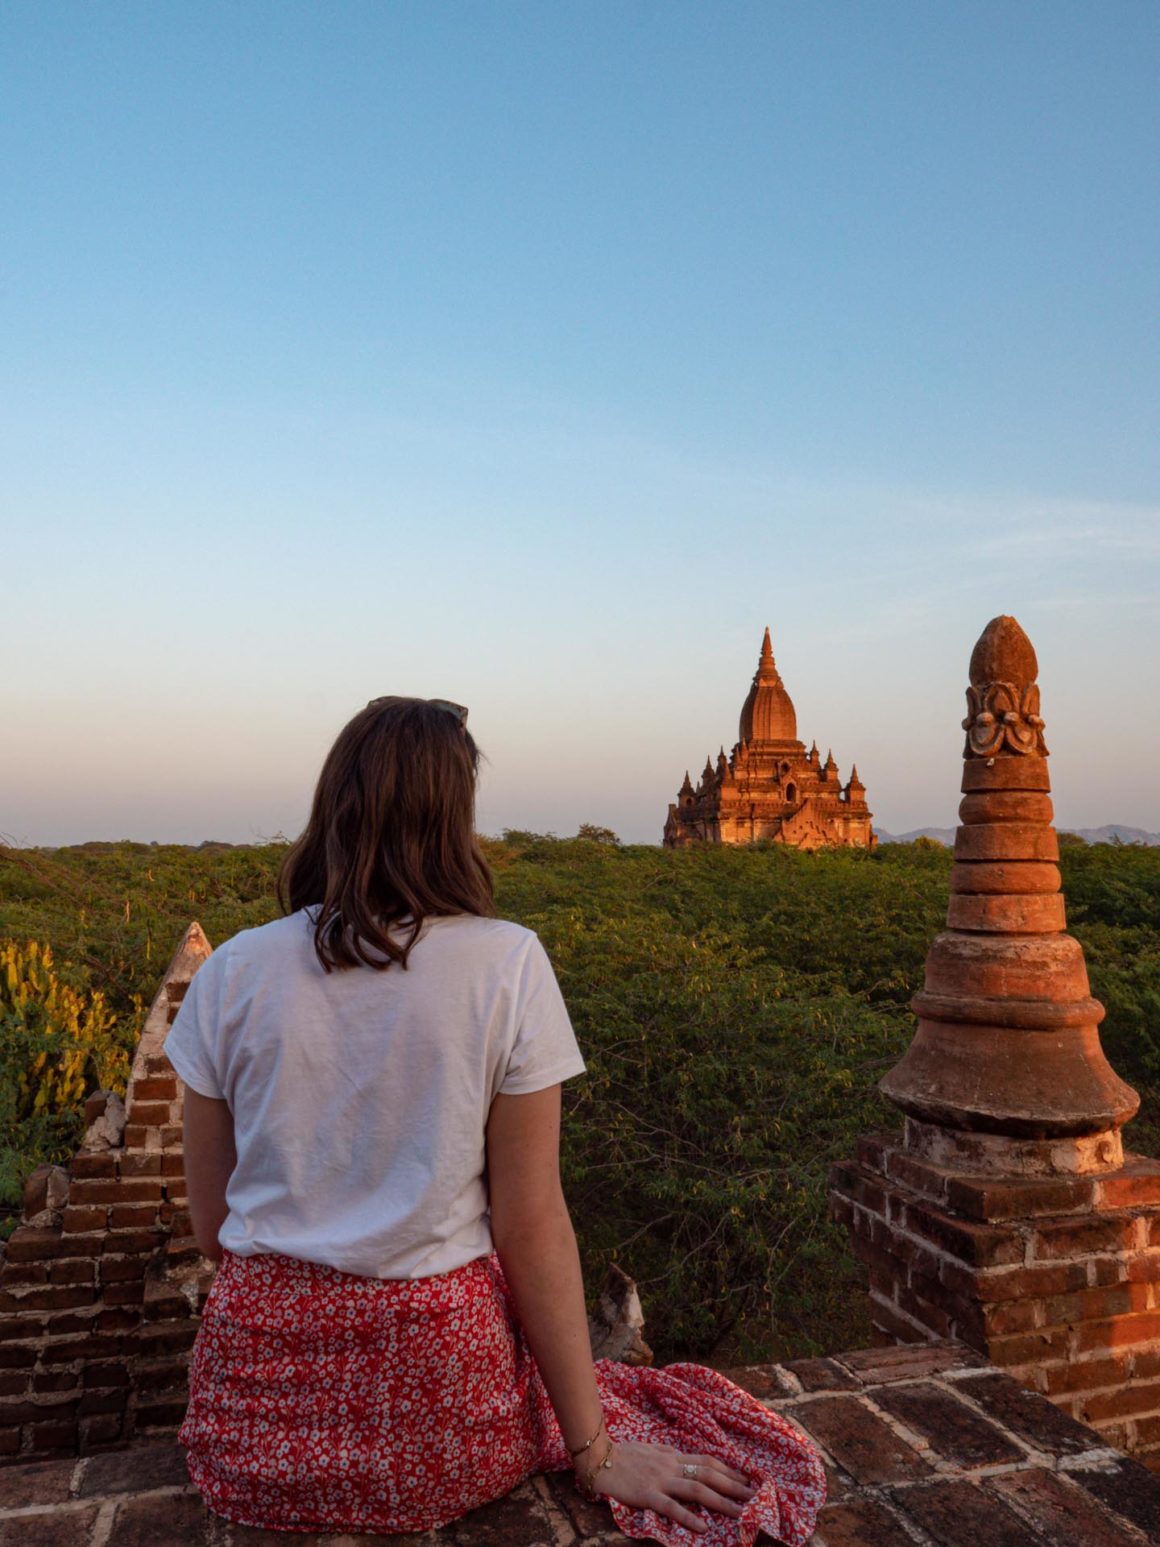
(458,710)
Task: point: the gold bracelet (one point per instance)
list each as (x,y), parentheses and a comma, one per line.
(589,1444)
(585,1481)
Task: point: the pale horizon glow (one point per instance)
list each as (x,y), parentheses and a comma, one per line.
(537,358)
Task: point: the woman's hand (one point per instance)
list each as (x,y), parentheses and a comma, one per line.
(667,1480)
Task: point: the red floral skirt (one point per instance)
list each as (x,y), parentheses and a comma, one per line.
(321,1400)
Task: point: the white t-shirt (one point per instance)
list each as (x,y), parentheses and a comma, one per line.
(360,1097)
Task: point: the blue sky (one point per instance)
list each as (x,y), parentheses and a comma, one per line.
(537,357)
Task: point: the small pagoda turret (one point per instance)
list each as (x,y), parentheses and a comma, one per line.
(769,787)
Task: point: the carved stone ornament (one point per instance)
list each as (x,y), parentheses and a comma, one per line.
(1002,717)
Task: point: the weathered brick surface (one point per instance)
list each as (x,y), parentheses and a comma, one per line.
(1066,1300)
(949,1426)
(1060,1490)
(860,1440)
(1059,1510)
(821,1375)
(962,1514)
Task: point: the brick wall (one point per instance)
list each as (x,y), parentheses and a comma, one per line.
(101,1285)
(1055,1279)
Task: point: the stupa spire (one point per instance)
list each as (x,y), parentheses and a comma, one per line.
(1007,1038)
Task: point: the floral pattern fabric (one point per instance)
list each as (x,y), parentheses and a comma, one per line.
(321,1400)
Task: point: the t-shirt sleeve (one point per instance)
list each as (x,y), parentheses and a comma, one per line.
(545,1051)
(192,1043)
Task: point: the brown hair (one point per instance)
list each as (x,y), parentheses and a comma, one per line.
(391,834)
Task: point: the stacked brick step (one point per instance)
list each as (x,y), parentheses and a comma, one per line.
(101,1283)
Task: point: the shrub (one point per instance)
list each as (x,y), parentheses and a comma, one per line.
(57,1043)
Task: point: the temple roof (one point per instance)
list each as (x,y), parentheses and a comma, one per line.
(768,712)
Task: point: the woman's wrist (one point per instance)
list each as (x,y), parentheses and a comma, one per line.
(587,1471)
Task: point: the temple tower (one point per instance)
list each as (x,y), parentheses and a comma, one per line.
(769,787)
(1007,1214)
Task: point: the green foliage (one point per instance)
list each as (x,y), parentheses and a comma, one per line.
(57,1043)
(736,1008)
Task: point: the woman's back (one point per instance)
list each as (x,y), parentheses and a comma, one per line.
(361,1097)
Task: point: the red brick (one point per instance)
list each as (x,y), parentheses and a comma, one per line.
(76,1271)
(60,1435)
(50,1298)
(87,1218)
(65,1323)
(133,1216)
(125,1242)
(133,1190)
(30,1243)
(1138,1268)
(101,1429)
(43,1482)
(129,1292)
(936,1317)
(111,1373)
(861,1522)
(156,1087)
(1097,1304)
(18,1356)
(158,1337)
(955,1431)
(118,1319)
(16,1384)
(137,1137)
(17,1274)
(149,1113)
(118,1269)
(1120,1332)
(982,1246)
(134,1471)
(1036,1282)
(926,1180)
(1135,1184)
(41,1412)
(96,1347)
(1084,1237)
(90,1163)
(54,1380)
(1128,1402)
(144,1163)
(9,1442)
(956,1513)
(164,1302)
(1013,1200)
(888,1320)
(1086,1374)
(1004,1316)
(173,1163)
(1030,1347)
(1059,1510)
(172,1135)
(163,1375)
(859,1440)
(162,1414)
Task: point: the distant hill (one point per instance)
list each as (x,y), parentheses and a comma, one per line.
(1113,832)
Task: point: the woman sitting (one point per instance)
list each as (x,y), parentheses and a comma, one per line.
(397,1332)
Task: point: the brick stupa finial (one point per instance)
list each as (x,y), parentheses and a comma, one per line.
(1006,1213)
(1007,1039)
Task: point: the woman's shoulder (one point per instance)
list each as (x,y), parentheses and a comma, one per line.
(487,933)
(264,941)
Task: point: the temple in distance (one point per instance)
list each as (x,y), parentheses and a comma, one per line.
(769,787)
